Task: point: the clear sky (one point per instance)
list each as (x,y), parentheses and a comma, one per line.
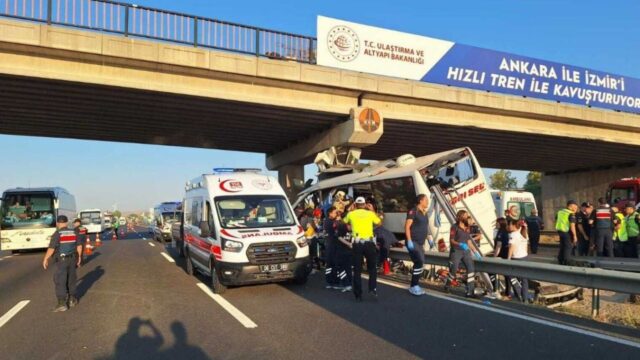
(594,34)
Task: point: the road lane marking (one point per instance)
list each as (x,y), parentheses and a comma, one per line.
(152,244)
(169,258)
(11,313)
(522,316)
(6,257)
(232,310)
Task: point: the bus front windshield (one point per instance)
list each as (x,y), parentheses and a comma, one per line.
(90,217)
(452,171)
(27,210)
(168,217)
(254,211)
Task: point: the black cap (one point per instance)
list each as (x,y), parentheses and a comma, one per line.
(571,202)
(587,204)
(630,205)
(62,219)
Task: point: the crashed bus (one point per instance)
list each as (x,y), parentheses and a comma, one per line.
(393,186)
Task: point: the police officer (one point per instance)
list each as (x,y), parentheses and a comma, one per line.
(81,233)
(416,229)
(67,250)
(604,229)
(584,224)
(344,255)
(362,221)
(619,232)
(330,228)
(534,226)
(566,227)
(630,247)
(460,250)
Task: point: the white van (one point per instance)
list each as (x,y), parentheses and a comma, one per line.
(29,216)
(239,228)
(92,220)
(518,203)
(394,185)
(164,215)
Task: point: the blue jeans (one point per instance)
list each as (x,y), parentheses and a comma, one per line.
(524,295)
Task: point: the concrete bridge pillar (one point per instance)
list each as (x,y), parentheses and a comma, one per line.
(585,185)
(290,177)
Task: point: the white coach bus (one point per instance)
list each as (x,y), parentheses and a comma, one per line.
(393,186)
(29,216)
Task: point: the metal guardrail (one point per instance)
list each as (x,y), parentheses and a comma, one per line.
(619,281)
(133,20)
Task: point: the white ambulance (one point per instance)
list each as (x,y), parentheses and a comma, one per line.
(29,216)
(239,228)
(518,204)
(393,186)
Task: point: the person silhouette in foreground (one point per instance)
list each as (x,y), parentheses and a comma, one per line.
(131,345)
(181,348)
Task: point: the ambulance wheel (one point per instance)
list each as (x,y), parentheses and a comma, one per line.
(189,265)
(216,285)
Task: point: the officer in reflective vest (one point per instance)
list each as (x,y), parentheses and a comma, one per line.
(620,232)
(630,248)
(566,227)
(67,252)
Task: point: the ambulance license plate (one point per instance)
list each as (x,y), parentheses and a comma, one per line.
(274,267)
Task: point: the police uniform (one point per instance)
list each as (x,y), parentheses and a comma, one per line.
(65,244)
(81,233)
(457,255)
(534,226)
(583,242)
(604,231)
(362,222)
(330,228)
(630,247)
(564,219)
(344,257)
(418,231)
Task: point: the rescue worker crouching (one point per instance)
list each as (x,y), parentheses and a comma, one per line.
(65,245)
(362,221)
(417,231)
(566,227)
(460,250)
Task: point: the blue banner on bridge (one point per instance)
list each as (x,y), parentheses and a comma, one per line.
(374,50)
(482,69)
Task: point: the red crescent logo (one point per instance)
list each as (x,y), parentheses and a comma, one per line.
(230,185)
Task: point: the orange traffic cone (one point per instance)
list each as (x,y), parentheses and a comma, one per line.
(386,268)
(98,241)
(114,238)
(88,249)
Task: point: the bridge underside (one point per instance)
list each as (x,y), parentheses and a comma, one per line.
(41,107)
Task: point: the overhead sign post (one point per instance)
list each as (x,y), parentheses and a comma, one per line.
(357,47)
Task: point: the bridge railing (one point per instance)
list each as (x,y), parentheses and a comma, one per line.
(133,20)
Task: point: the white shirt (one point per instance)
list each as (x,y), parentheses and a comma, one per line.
(519,244)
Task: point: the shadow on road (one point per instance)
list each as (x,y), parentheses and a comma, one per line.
(134,345)
(88,280)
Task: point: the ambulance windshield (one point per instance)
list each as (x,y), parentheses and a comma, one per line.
(253,211)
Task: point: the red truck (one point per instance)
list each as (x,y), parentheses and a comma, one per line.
(623,191)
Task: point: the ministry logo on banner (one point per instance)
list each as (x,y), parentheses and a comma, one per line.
(343,43)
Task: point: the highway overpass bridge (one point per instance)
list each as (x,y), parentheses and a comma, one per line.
(59,81)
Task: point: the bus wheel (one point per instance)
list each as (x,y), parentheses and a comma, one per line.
(216,285)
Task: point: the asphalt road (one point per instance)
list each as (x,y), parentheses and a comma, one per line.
(136,304)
